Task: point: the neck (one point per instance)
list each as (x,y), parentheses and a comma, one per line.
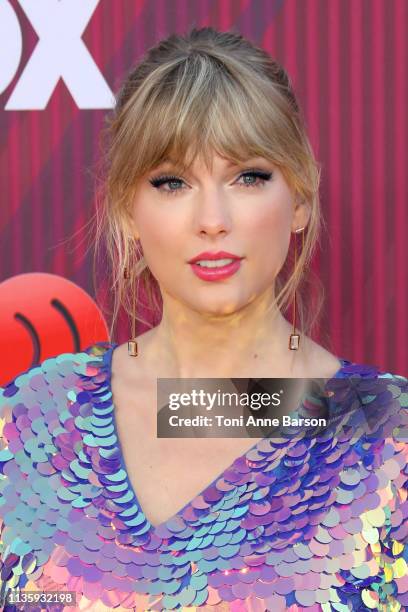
(194,344)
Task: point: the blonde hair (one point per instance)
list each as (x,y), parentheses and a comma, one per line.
(193,95)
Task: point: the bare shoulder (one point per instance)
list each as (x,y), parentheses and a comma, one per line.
(320,362)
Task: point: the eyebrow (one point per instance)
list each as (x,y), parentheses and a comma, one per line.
(249,162)
(229,164)
(165,161)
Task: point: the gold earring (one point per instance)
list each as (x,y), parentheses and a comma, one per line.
(294,338)
(132,343)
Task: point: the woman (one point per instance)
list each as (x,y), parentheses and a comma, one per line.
(209,165)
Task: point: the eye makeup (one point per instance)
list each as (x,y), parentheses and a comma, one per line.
(260,176)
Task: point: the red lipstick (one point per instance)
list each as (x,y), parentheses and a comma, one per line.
(203,267)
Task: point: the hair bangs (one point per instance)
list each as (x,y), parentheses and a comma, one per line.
(199,109)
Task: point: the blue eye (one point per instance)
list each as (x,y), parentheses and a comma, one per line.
(257,174)
(260,176)
(162,180)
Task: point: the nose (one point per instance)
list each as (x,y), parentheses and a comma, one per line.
(213,214)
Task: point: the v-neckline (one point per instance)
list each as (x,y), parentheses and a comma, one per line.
(116,446)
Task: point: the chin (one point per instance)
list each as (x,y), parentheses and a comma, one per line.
(225,308)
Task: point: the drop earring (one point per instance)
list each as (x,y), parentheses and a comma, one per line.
(132,343)
(294,338)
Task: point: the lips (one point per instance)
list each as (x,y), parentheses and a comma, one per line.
(216,273)
(212,256)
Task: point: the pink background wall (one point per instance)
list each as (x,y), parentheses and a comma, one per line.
(348,62)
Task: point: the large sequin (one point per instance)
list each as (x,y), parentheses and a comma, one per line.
(297,523)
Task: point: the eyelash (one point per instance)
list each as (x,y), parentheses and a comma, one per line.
(157,182)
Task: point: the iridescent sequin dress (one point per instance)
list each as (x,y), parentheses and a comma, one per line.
(294,524)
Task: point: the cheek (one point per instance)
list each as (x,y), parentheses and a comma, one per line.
(160,235)
(271,227)
(267,236)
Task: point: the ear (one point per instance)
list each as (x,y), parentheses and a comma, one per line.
(131,229)
(301,213)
